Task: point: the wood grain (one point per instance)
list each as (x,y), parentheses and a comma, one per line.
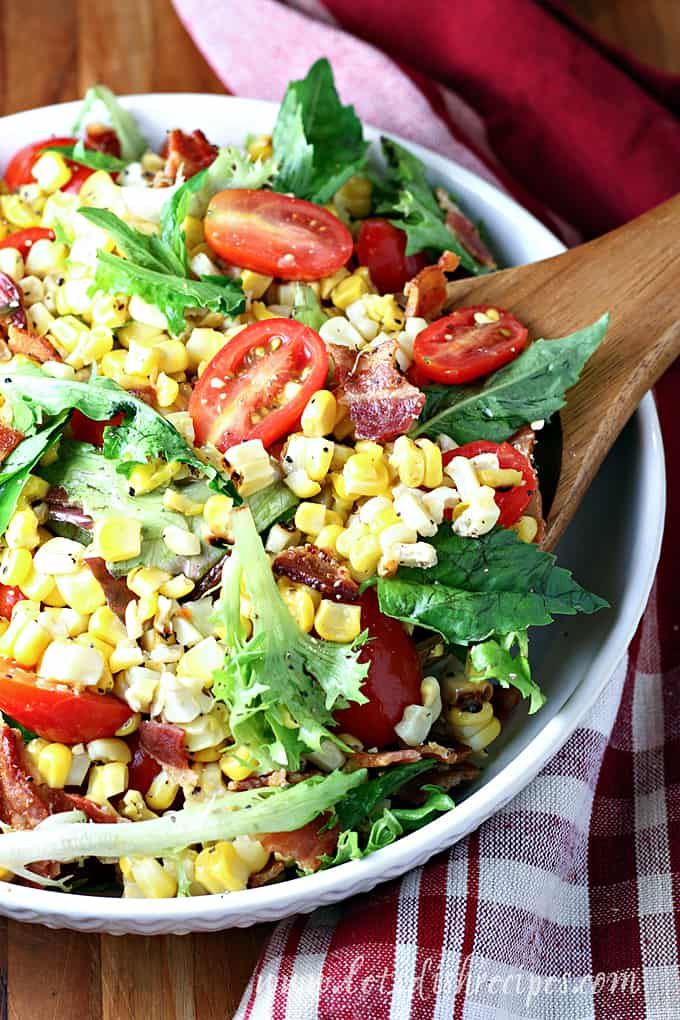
(51,52)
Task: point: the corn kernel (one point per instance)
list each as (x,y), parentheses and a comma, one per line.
(202,345)
(142,359)
(146,477)
(181,541)
(432,457)
(499,478)
(177,587)
(105,625)
(34,489)
(526,528)
(348,291)
(161,793)
(217,514)
(347,538)
(30,643)
(219,869)
(16,566)
(73,662)
(310,518)
(81,590)
(153,880)
(370,449)
(318,417)
(238,763)
(260,147)
(300,605)
(408,461)
(167,390)
(202,660)
(108,749)
(363,476)
(254,284)
(355,196)
(364,555)
(301,485)
(328,536)
(22,530)
(17,212)
(54,765)
(336,621)
(34,748)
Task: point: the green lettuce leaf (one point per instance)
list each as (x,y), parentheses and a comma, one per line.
(307,308)
(17,467)
(484,586)
(530,388)
(132,142)
(506,660)
(361,804)
(281,685)
(68,837)
(318,143)
(91,158)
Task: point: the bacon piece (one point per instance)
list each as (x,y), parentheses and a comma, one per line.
(464,230)
(117,593)
(303,846)
(524,440)
(12,301)
(426,293)
(190,152)
(102,138)
(21,805)
(60,800)
(505,699)
(266,875)
(306,564)
(60,509)
(383,759)
(277,778)
(165,743)
(443,776)
(381,402)
(9,440)
(210,580)
(21,341)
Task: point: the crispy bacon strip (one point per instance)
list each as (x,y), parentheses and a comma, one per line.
(21,341)
(102,138)
(426,293)
(268,874)
(165,743)
(464,230)
(278,778)
(524,440)
(117,593)
(60,800)
(190,152)
(443,776)
(383,759)
(21,805)
(381,402)
(9,440)
(305,846)
(306,564)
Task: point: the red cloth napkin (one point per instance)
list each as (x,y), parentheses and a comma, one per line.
(566,904)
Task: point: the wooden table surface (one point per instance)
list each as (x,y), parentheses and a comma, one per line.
(51,52)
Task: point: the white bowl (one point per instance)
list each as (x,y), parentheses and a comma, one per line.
(612,546)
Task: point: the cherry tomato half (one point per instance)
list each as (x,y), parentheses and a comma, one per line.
(393,681)
(456,349)
(87,431)
(9,596)
(511,502)
(242,394)
(20,165)
(382,247)
(276,235)
(23,240)
(64,716)
(142,769)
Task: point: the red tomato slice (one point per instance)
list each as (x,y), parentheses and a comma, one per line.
(393,681)
(242,392)
(79,175)
(276,235)
(456,349)
(23,240)
(382,247)
(143,769)
(511,502)
(9,596)
(55,714)
(87,431)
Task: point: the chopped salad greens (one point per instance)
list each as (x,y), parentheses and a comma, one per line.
(270,523)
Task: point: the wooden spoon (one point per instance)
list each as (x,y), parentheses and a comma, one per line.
(634,274)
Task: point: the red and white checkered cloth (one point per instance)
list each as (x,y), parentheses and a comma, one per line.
(566,904)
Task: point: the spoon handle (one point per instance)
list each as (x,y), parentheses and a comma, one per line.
(634,274)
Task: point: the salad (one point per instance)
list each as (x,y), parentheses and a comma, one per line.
(270,518)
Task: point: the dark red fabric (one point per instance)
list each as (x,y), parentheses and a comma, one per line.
(563,114)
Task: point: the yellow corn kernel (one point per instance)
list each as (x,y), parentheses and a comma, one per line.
(118,538)
(482,738)
(202,345)
(202,660)
(161,793)
(459,510)
(16,566)
(318,417)
(238,763)
(300,605)
(364,555)
(355,196)
(142,360)
(408,461)
(146,477)
(310,518)
(383,519)
(255,284)
(106,781)
(336,621)
(17,212)
(126,654)
(177,587)
(167,390)
(260,311)
(370,449)
(328,536)
(181,504)
(219,869)
(152,879)
(54,765)
(432,457)
(140,333)
(109,310)
(526,528)
(34,748)
(499,478)
(174,357)
(301,485)
(130,726)
(108,749)
(37,586)
(81,590)
(217,514)
(34,489)
(51,172)
(329,283)
(194,233)
(105,625)
(317,458)
(466,723)
(112,365)
(347,538)
(260,147)
(147,607)
(30,643)
(348,291)
(208,754)
(364,476)
(22,530)
(146,581)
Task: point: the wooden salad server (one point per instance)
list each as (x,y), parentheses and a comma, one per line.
(634,274)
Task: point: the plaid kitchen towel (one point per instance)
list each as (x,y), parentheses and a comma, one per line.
(566,904)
